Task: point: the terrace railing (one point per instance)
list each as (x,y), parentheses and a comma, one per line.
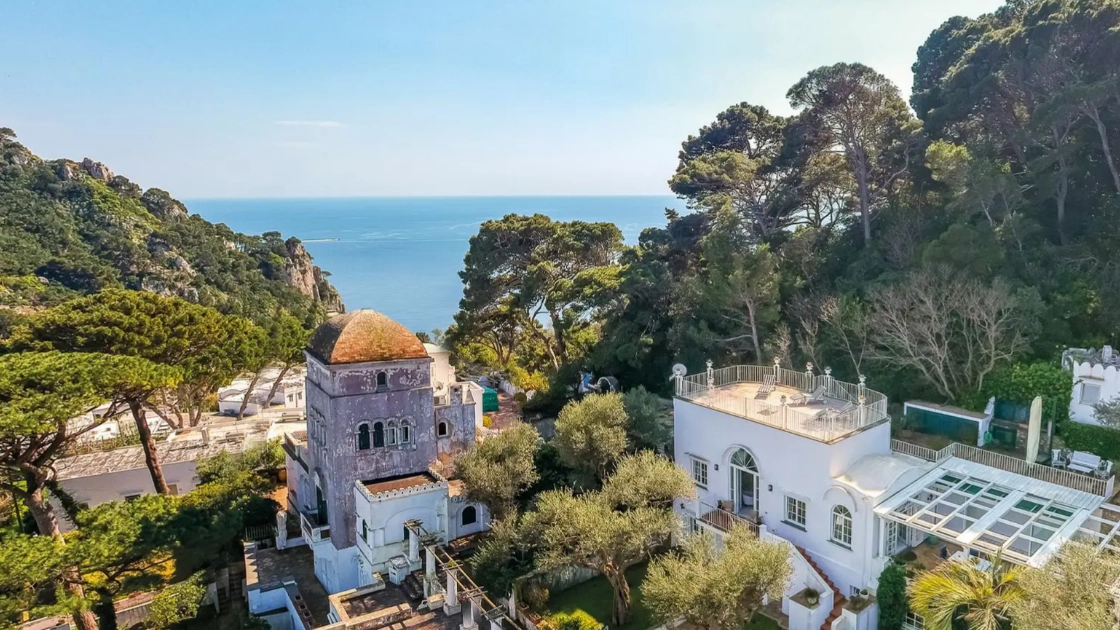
(1067,478)
(714,390)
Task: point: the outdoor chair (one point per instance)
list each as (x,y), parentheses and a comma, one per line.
(766,387)
(1058,458)
(1105,469)
(1084,461)
(808,398)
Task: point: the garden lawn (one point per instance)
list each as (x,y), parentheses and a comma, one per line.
(596,598)
(762,622)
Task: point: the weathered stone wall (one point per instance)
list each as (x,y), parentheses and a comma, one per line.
(342,398)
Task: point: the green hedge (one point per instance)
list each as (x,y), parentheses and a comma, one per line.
(1101,441)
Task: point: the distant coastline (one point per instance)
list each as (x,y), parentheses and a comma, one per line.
(402,255)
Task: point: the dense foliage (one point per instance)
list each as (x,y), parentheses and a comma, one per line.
(928,247)
(69,229)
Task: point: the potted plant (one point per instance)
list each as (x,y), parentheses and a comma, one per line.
(812,597)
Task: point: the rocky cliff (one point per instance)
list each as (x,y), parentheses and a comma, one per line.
(69,228)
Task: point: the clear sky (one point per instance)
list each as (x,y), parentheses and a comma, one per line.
(240,98)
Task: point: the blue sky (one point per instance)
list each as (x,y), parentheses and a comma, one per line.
(378,97)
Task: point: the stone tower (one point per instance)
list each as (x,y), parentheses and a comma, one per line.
(369,411)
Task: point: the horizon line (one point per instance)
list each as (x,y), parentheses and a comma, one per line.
(492,196)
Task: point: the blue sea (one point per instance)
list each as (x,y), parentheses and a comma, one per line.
(401,256)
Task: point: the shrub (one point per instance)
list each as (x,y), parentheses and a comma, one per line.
(1103,441)
(487,421)
(578,620)
(893,603)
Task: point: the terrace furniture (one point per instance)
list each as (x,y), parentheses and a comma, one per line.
(1058,459)
(1083,461)
(766,387)
(963,556)
(808,398)
(1105,469)
(727,506)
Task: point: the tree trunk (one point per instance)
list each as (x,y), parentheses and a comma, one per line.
(72,580)
(558,333)
(754,332)
(865,209)
(621,613)
(151,456)
(248,394)
(1105,148)
(276,383)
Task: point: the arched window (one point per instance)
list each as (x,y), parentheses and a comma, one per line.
(743,459)
(441,430)
(363,437)
(470,515)
(406,432)
(391,434)
(382,381)
(378,435)
(842,526)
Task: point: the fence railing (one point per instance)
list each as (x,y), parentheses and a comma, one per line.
(721,519)
(864,406)
(311,529)
(1067,478)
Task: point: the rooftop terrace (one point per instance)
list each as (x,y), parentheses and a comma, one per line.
(815,406)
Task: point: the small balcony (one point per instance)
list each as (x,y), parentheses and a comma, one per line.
(814,406)
(312,529)
(722,519)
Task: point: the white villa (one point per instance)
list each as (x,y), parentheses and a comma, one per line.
(288,395)
(1096,378)
(804,458)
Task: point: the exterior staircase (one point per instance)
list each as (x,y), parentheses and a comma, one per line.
(838,599)
(413,587)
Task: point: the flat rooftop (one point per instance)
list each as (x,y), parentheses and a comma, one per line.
(402,482)
(266,569)
(373,606)
(817,407)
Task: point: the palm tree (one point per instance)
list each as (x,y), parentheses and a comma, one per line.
(963,592)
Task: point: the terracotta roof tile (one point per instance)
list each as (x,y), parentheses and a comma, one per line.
(364,336)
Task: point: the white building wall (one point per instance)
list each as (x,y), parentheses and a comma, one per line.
(790,465)
(1092,382)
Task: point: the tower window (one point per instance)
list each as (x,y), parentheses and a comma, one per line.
(391,437)
(406,432)
(382,381)
(363,437)
(441,430)
(378,435)
(470,515)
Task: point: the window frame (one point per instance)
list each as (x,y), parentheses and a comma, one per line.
(463,516)
(364,437)
(1084,386)
(700,472)
(441,429)
(378,434)
(841,521)
(405,435)
(791,515)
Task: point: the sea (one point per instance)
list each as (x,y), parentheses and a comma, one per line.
(402,256)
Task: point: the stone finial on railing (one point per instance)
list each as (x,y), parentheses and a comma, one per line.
(828,372)
(862,385)
(711,375)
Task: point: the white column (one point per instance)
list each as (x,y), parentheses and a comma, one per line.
(470,613)
(451,594)
(413,547)
(513,603)
(430,579)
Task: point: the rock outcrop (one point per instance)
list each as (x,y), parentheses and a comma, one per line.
(97,170)
(162,205)
(308,278)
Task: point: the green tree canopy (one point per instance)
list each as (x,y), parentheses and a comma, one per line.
(591,435)
(498,469)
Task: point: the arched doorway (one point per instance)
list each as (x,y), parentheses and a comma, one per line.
(744,483)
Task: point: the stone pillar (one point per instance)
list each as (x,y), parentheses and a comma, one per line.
(777,370)
(413,547)
(470,613)
(513,603)
(451,594)
(430,579)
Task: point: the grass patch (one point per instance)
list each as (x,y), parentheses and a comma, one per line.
(596,598)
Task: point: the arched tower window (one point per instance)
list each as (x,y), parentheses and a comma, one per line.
(382,381)
(378,435)
(470,515)
(391,435)
(406,432)
(441,430)
(744,460)
(363,437)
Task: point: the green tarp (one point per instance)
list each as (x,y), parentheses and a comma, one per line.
(489,400)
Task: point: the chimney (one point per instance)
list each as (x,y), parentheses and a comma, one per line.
(205,436)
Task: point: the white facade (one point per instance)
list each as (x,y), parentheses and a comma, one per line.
(289,394)
(1096,378)
(808,461)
